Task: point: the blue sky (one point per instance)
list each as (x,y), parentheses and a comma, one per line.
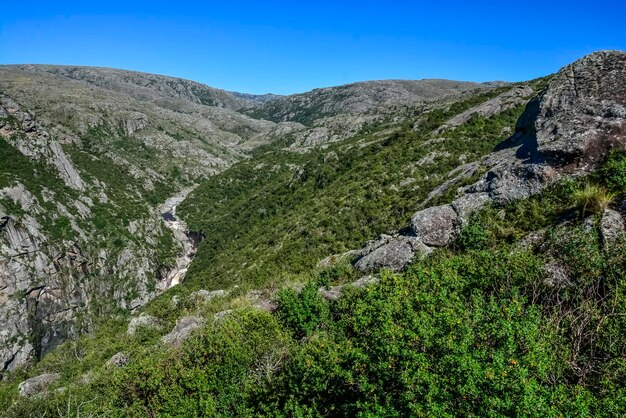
(287,47)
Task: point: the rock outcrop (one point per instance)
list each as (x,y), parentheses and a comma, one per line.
(612,225)
(21,129)
(392,252)
(118,360)
(501,103)
(184,327)
(142,321)
(565,131)
(36,386)
(582,114)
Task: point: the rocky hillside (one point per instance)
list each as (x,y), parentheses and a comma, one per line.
(501,208)
(93,156)
(90,156)
(360,97)
(567,130)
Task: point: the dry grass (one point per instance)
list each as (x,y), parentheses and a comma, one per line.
(592,199)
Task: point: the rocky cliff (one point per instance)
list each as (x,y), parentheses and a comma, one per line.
(566,131)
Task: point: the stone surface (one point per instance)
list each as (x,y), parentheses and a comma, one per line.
(435,226)
(556,274)
(510,99)
(184,327)
(142,321)
(222,314)
(612,225)
(394,254)
(37,385)
(465,205)
(118,360)
(582,114)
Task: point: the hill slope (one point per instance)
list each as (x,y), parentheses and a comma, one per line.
(514,306)
(503,207)
(92,155)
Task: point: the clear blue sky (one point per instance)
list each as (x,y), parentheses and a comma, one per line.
(286,47)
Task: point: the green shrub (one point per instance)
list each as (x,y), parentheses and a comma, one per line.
(614,172)
(302,312)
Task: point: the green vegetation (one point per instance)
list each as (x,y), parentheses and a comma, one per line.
(592,199)
(524,315)
(486,327)
(280,212)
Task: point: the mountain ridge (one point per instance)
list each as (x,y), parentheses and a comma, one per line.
(503,188)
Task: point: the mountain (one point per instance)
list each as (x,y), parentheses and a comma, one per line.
(93,155)
(360,98)
(386,248)
(89,157)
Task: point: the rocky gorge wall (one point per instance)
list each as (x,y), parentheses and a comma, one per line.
(58,271)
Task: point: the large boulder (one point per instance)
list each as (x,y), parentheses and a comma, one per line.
(184,327)
(435,226)
(37,385)
(395,254)
(582,113)
(118,360)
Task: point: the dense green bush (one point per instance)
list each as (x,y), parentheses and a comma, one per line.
(614,172)
(302,312)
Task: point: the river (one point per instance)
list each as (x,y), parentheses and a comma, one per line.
(179,230)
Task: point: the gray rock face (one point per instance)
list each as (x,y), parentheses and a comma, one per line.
(35,142)
(556,274)
(222,314)
(332,293)
(393,253)
(37,385)
(574,124)
(184,327)
(582,114)
(465,205)
(611,225)
(505,101)
(142,321)
(118,360)
(435,226)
